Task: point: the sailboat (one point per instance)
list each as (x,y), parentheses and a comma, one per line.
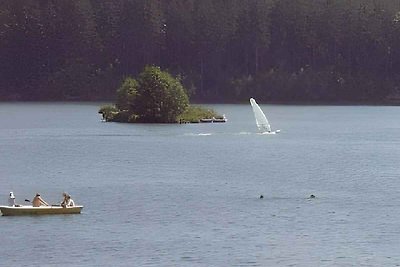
(262,123)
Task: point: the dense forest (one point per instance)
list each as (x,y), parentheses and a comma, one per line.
(221,50)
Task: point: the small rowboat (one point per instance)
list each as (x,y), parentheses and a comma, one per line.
(42,210)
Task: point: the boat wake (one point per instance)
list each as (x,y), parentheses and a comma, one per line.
(244,133)
(232,133)
(198,134)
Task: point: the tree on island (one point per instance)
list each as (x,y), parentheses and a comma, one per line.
(155,97)
(160,98)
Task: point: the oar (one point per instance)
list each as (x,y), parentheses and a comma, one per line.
(53,205)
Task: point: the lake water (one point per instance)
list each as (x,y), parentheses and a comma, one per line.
(188,195)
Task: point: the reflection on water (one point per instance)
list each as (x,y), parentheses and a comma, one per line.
(188,195)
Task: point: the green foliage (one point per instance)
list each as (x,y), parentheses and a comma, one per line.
(108,112)
(107,109)
(161,98)
(122,116)
(127,94)
(194,113)
(155,97)
(82,50)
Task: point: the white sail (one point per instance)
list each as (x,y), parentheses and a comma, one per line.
(261,120)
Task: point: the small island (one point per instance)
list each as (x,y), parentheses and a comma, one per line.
(155,97)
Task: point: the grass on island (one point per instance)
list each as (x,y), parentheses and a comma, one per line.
(195,113)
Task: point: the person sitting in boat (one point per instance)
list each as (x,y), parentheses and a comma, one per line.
(38,201)
(65,200)
(70,202)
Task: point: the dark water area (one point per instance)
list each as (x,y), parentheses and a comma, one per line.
(188,195)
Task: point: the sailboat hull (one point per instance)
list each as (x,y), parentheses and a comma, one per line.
(268,133)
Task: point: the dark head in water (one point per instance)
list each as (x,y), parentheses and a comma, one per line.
(312,196)
(261,196)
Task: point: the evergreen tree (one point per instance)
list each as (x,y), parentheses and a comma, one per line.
(279,49)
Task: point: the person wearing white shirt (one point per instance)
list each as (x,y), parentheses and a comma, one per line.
(11,200)
(70,202)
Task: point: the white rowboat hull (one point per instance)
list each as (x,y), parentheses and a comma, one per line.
(42,210)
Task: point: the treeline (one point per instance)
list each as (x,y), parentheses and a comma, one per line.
(222,50)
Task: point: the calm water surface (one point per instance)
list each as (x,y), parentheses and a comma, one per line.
(187,195)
